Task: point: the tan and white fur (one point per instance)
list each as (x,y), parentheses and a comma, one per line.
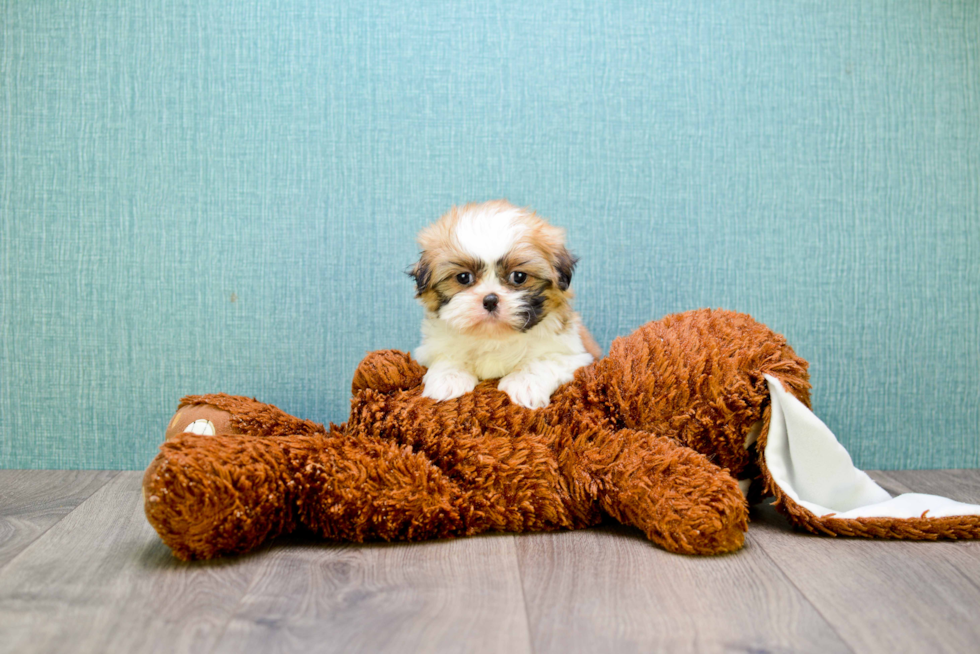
(494,281)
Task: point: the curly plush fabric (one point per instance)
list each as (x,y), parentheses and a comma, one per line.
(654,435)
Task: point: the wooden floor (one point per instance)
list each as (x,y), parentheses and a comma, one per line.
(82,571)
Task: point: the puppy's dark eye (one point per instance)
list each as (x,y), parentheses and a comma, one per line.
(517,278)
(464,278)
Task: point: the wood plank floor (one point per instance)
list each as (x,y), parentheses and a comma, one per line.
(82,571)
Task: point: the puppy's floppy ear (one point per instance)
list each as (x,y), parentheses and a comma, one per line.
(551,242)
(422,273)
(564,266)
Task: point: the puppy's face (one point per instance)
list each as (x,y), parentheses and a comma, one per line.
(493,269)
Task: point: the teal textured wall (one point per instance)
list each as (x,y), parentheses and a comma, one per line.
(222,196)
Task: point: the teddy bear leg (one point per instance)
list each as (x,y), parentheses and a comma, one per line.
(680,500)
(208,495)
(363,488)
(218,413)
(217,486)
(211,494)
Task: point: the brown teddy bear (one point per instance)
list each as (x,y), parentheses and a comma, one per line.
(667,433)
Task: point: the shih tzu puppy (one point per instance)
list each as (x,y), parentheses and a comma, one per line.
(494,281)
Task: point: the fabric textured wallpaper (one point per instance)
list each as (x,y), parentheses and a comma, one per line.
(203,196)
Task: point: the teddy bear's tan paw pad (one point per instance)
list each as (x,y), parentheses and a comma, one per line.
(202,427)
(200,420)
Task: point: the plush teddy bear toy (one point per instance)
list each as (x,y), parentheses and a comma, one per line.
(667,433)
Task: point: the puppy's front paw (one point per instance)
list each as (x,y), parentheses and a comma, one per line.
(527,389)
(447,383)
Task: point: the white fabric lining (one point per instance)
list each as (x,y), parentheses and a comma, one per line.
(812,468)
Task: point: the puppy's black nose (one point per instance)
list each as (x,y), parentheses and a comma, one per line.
(490,302)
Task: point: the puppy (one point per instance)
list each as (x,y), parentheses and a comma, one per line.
(494,281)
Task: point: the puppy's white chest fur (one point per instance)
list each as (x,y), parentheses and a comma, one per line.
(530,365)
(490,358)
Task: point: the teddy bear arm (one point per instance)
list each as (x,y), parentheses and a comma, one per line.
(677,497)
